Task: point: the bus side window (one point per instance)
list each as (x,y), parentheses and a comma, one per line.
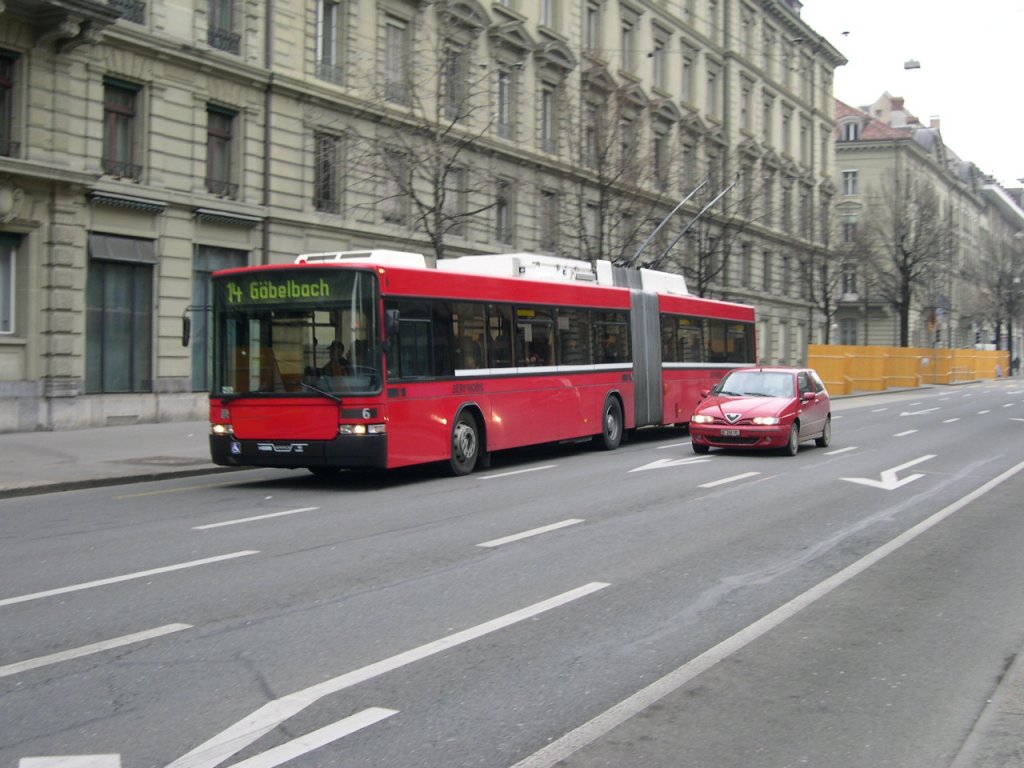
(499,329)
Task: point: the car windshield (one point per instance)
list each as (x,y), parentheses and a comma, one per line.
(757,384)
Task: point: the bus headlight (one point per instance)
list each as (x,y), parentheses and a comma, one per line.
(222,429)
(362,429)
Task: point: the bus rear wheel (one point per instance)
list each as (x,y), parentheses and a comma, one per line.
(465,445)
(611,425)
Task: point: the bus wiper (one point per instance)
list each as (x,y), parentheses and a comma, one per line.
(319,391)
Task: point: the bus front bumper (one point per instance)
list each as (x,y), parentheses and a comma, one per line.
(344,451)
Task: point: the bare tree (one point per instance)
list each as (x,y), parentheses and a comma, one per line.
(418,165)
(909,247)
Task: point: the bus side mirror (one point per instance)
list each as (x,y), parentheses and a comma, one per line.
(186,329)
(391,317)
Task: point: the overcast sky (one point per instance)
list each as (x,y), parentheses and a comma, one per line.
(970,75)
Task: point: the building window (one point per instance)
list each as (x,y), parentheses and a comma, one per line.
(627,44)
(119,130)
(8,251)
(396,61)
(592,30)
(549,13)
(119,314)
(327,173)
(787,132)
(805,141)
(395,184)
(221,33)
(506,88)
(746,94)
(8,69)
(549,118)
(849,280)
(848,331)
(503,213)
(456,186)
(454,78)
(686,90)
(849,182)
(219,149)
(548,221)
(851,131)
(848,231)
(328,41)
(660,151)
(712,93)
(208,259)
(659,59)
(766,272)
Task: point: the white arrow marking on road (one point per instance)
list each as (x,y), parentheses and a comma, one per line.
(918,413)
(889,480)
(265,719)
(71,761)
(318,738)
(663,463)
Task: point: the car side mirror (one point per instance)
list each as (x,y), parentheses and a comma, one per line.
(806,396)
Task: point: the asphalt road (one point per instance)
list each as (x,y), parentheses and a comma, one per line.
(850,606)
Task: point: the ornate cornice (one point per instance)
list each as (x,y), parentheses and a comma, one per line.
(63,25)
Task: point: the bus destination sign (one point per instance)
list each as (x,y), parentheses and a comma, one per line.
(249,290)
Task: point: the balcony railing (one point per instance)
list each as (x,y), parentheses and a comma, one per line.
(224,39)
(329,72)
(131,10)
(122,170)
(222,188)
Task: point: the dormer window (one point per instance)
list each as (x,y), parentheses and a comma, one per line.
(851,131)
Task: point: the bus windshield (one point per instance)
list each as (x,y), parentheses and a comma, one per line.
(308,331)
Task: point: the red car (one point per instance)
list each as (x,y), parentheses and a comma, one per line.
(763,408)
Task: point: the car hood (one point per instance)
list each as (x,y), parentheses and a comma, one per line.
(749,407)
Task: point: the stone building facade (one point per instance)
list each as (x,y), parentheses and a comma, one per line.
(897,180)
(146,143)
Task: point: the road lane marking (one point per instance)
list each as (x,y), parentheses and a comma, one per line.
(126,577)
(316,739)
(71,761)
(905,433)
(950,421)
(731,479)
(532,532)
(577,739)
(88,650)
(265,719)
(208,526)
(982,413)
(841,450)
(517,472)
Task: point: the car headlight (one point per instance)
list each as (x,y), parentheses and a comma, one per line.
(701,418)
(765,421)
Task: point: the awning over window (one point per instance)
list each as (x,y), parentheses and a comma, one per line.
(131,249)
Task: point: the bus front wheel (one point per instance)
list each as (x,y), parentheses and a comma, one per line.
(465,445)
(611,425)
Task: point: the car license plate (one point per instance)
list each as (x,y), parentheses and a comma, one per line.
(730,433)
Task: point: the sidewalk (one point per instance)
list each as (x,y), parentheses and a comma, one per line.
(38,462)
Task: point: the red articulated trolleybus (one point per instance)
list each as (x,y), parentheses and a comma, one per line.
(375,359)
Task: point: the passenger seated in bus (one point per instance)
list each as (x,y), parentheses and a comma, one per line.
(501,351)
(338,364)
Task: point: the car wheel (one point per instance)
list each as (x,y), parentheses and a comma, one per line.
(826,434)
(465,445)
(699,447)
(611,425)
(793,444)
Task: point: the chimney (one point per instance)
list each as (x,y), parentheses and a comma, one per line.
(934,122)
